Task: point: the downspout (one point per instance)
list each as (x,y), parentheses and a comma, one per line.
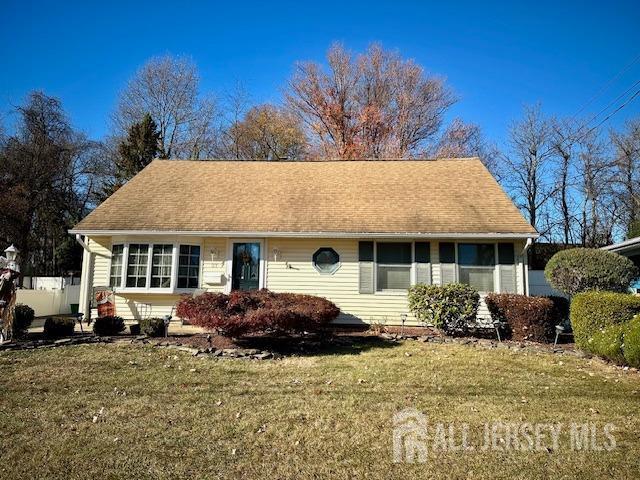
(525,262)
(84,278)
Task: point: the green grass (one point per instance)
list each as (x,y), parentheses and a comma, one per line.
(325,416)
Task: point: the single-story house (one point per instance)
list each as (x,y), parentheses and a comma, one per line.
(358,233)
(631,249)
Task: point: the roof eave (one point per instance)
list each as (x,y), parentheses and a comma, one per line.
(484,235)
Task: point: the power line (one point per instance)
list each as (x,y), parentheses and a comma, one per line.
(606,86)
(627,102)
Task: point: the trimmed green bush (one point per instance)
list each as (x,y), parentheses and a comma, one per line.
(55,327)
(631,342)
(152,327)
(110,325)
(584,269)
(592,312)
(607,343)
(22,317)
(452,308)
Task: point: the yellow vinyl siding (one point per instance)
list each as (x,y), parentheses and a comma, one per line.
(292,271)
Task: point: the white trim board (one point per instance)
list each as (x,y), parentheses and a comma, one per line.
(450,235)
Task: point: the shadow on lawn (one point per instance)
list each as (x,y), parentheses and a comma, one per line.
(316,345)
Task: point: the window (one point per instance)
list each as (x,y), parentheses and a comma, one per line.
(477,265)
(137,263)
(115,273)
(161,262)
(189,266)
(326,260)
(393,266)
(506,254)
(447,252)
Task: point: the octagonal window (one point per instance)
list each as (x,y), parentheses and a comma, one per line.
(326,260)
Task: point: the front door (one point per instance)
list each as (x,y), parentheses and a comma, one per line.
(246,266)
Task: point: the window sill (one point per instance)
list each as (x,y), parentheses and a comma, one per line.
(154,291)
(392,293)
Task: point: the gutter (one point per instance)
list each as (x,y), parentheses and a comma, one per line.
(81,242)
(526,264)
(487,236)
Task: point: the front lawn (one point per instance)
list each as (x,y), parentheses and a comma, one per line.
(122,411)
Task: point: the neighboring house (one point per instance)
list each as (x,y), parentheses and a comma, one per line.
(631,249)
(356,232)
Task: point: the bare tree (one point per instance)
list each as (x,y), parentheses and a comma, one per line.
(460,139)
(563,138)
(167,88)
(627,170)
(598,211)
(528,165)
(268,132)
(374,106)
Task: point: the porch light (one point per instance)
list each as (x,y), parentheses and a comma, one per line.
(215,254)
(276,253)
(11,253)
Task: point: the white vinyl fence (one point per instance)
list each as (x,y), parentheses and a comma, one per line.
(538,285)
(49,300)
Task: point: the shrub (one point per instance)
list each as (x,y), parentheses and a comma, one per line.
(583,269)
(55,327)
(22,318)
(592,312)
(152,327)
(452,308)
(528,318)
(243,312)
(109,325)
(631,342)
(607,343)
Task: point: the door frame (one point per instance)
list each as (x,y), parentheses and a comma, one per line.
(261,275)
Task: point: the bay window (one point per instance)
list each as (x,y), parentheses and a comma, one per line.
(476,265)
(393,265)
(161,266)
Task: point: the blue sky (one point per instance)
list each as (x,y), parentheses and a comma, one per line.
(497,56)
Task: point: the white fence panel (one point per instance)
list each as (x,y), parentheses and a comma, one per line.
(538,284)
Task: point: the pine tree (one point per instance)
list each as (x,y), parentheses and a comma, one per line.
(137,151)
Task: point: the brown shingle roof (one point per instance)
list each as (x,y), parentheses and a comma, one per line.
(410,197)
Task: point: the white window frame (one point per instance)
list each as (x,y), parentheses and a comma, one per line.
(412,267)
(122,288)
(176,264)
(496,270)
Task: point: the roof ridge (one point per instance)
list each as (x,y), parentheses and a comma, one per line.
(327,160)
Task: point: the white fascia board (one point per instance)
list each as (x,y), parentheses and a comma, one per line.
(487,236)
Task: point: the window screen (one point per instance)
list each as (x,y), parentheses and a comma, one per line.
(447,252)
(393,265)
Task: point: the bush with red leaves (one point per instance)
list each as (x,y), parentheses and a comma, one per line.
(528,318)
(261,311)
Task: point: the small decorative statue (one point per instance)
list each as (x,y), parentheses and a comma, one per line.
(9,273)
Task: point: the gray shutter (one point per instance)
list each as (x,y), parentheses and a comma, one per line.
(366,277)
(507,278)
(423,273)
(447,273)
